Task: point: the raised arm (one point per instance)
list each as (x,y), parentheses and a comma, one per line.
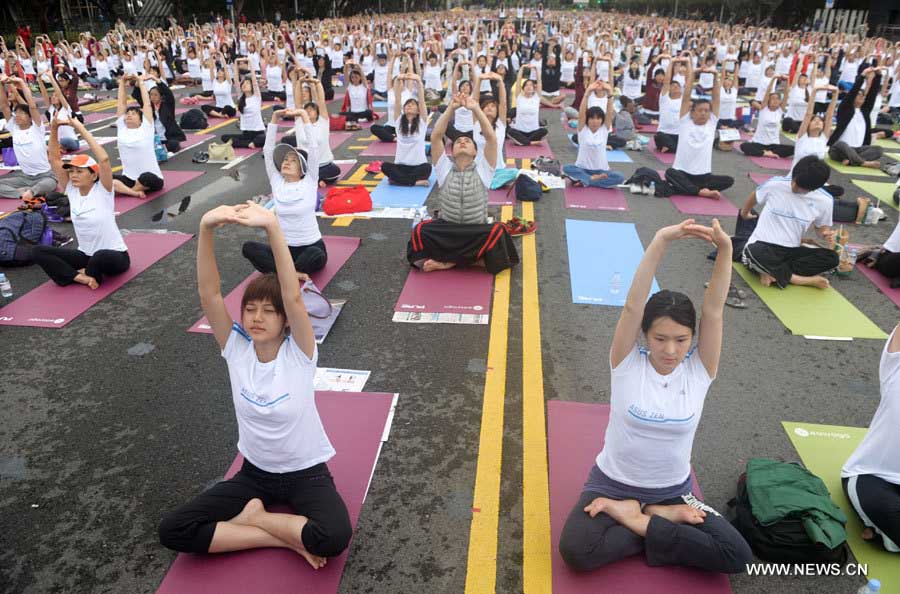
(398,93)
(709,343)
(54,155)
(490,137)
(36,117)
(146,107)
(829,114)
(716,91)
(688,87)
(122,104)
(440,128)
(664,90)
(610,107)
(320,97)
(100,154)
(209,284)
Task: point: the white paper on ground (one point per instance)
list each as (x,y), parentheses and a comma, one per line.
(341,380)
(414,317)
(378,213)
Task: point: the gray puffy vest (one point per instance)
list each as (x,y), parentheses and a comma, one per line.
(463,197)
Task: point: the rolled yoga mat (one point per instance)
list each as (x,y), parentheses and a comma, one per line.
(824,449)
(339,251)
(595,198)
(52,306)
(575,433)
(455,296)
(603,258)
(356,423)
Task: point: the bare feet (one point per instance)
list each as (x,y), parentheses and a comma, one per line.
(431,265)
(302,277)
(678,514)
(599,176)
(27,195)
(88,281)
(250,515)
(766,280)
(707,193)
(770,154)
(846,162)
(422,182)
(872,164)
(664,149)
(251,146)
(819,282)
(626,512)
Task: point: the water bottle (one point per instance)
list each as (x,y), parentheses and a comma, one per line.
(872,587)
(615,283)
(5,286)
(417,218)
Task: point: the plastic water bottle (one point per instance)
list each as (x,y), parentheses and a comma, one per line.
(417,218)
(5,286)
(851,256)
(615,283)
(872,587)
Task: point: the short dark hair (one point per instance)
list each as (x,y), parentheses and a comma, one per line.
(810,173)
(264,288)
(468,135)
(594,112)
(669,304)
(698,102)
(135,109)
(22,107)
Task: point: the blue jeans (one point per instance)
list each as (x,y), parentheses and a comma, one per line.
(583,176)
(70,144)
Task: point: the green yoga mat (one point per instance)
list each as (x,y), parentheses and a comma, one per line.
(887,144)
(884,191)
(824,449)
(851,170)
(811,312)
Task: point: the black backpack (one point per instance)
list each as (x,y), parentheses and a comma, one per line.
(782,542)
(527,189)
(20,231)
(193,119)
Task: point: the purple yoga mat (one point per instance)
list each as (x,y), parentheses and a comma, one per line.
(336,139)
(355,423)
(760,178)
(173,181)
(52,306)
(339,251)
(595,198)
(380,149)
(101,141)
(698,205)
(770,163)
(665,158)
(454,291)
(98,116)
(502,197)
(575,434)
(880,281)
(532,151)
(4,171)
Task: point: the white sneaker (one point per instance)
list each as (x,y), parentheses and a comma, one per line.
(645,189)
(636,189)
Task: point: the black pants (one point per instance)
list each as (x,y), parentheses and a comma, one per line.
(524,138)
(405,175)
(62,265)
(329,173)
(273,95)
(690,185)
(755,149)
(888,264)
(307,258)
(354,116)
(840,151)
(790,125)
(587,543)
(782,262)
(385,133)
(844,211)
(202,94)
(245,138)
(820,107)
(150,181)
(228,110)
(663,139)
(877,503)
(616,142)
(310,492)
(835,191)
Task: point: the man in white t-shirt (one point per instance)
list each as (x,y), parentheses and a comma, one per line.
(35,178)
(792,205)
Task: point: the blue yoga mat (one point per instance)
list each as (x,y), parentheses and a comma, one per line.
(602,261)
(379,104)
(385,195)
(617,156)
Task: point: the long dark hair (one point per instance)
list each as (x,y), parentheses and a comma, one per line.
(408,128)
(669,304)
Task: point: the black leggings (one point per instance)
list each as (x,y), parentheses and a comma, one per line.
(243,140)
(202,94)
(310,492)
(384,133)
(587,543)
(526,137)
(228,110)
(664,139)
(781,262)
(329,172)
(616,142)
(62,265)
(877,503)
(273,95)
(405,175)
(790,125)
(690,185)
(307,258)
(355,116)
(888,264)
(755,149)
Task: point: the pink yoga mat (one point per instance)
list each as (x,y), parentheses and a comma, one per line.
(666,158)
(380,149)
(502,197)
(760,178)
(532,151)
(98,116)
(336,139)
(698,205)
(173,181)
(52,306)
(770,163)
(101,141)
(454,291)
(880,281)
(647,128)
(355,424)
(575,433)
(339,251)
(595,198)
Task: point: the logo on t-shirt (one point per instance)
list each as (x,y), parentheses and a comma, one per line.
(654,416)
(262,400)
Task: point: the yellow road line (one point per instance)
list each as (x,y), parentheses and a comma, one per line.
(481,568)
(536,571)
(356,148)
(117,168)
(342,222)
(366,183)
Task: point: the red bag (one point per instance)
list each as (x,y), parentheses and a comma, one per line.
(337,122)
(346,200)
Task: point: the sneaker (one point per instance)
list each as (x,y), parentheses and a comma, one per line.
(516,226)
(636,189)
(645,190)
(891,169)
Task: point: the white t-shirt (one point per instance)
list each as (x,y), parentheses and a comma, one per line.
(796,107)
(631,87)
(877,454)
(320,135)
(29,147)
(752,73)
(652,422)
(592,149)
(855,132)
(694,153)
(251,117)
(762,88)
(669,114)
(768,127)
(527,113)
(222,92)
(567,71)
(295,202)
(411,147)
(808,145)
(94,220)
(274,81)
(787,215)
(480,141)
(445,164)
(728,104)
(63,131)
(380,77)
(432,77)
(893,242)
(279,429)
(359,97)
(136,149)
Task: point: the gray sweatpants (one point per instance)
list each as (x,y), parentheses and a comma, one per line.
(16,183)
(841,151)
(715,545)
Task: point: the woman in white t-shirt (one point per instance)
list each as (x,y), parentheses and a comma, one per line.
(357,103)
(57,104)
(25,124)
(271,356)
(494,109)
(670,99)
(135,139)
(638,497)
(766,139)
(526,128)
(88,184)
(221,89)
(797,100)
(410,166)
(253,130)
(275,77)
(871,476)
(317,110)
(591,168)
(812,136)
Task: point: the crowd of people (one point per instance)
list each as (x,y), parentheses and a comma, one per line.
(459,90)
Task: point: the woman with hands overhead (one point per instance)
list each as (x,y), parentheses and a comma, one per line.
(638,497)
(410,166)
(591,168)
(134,134)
